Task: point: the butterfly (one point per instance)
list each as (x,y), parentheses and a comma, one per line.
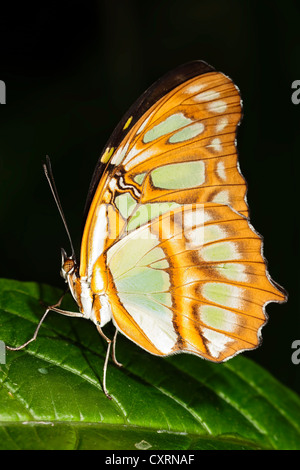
(168,253)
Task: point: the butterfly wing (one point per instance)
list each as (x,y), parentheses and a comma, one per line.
(137,111)
(180,150)
(193,280)
(203,290)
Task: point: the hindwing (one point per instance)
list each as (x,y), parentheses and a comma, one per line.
(192,279)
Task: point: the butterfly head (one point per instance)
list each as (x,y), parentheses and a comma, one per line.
(68,266)
(70,273)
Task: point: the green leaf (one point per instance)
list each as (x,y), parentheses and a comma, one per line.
(51,395)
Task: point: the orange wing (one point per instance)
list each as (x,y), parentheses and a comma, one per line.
(182,150)
(205,296)
(193,280)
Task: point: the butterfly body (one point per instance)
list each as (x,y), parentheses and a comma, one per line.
(168,252)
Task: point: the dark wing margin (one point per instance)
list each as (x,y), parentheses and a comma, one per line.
(156,91)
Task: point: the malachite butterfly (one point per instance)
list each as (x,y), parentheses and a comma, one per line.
(168,252)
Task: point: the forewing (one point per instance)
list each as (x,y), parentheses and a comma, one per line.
(181,150)
(136,112)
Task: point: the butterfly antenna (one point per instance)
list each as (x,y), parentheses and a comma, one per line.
(49,175)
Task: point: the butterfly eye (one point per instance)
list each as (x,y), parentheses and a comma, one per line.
(67,265)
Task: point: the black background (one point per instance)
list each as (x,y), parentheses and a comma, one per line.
(73,68)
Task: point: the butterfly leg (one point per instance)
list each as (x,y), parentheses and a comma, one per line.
(34,335)
(53,307)
(106,360)
(114,351)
